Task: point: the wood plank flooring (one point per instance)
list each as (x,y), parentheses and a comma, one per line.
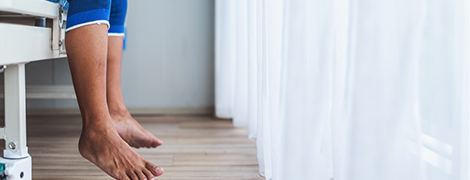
(195,148)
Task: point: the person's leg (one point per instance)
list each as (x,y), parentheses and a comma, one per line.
(128,128)
(99,142)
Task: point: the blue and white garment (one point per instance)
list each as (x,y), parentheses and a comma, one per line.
(87,12)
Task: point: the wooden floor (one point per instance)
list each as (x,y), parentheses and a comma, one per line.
(195,148)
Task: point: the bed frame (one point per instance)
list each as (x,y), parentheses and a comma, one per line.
(30,30)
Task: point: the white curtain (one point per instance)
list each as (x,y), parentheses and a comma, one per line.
(348,89)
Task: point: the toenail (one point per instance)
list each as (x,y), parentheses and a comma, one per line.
(152,179)
(158,169)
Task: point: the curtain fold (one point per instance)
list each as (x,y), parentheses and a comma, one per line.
(348,89)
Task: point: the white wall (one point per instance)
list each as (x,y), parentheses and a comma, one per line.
(169,61)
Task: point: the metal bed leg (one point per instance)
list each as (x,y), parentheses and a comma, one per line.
(16,162)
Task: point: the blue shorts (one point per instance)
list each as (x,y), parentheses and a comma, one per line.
(86,12)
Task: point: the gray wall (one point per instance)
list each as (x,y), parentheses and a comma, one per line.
(168,63)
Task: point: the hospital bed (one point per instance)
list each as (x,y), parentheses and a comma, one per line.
(30,30)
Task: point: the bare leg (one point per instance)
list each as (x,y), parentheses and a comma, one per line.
(99,142)
(127,127)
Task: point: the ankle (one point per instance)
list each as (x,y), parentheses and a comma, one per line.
(119,113)
(93,125)
(91,137)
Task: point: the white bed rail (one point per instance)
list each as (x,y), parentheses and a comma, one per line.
(20,44)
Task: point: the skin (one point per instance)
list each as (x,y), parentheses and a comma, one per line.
(128,128)
(100,142)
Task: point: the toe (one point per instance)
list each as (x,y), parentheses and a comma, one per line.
(155,170)
(157,143)
(141,175)
(148,174)
(158,171)
(132,175)
(154,144)
(123,176)
(146,142)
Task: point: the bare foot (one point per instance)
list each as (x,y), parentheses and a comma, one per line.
(132,132)
(102,146)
